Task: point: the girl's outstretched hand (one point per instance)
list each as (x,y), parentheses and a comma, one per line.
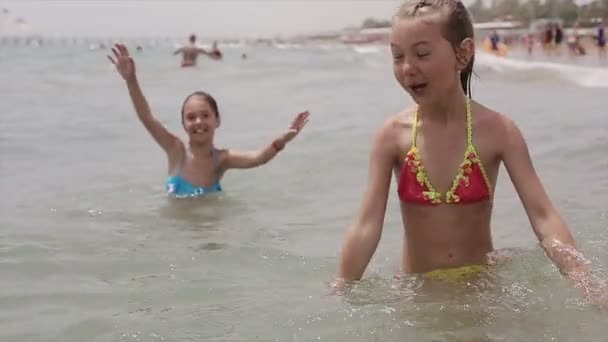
(123,62)
(296,126)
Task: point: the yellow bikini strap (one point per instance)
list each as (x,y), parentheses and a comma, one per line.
(415,127)
(469,124)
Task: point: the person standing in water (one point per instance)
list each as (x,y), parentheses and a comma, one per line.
(529,42)
(494,40)
(601,40)
(190,52)
(559,38)
(574,42)
(196,167)
(448,213)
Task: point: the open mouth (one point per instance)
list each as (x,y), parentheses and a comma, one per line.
(418,88)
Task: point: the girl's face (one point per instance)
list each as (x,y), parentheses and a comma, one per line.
(199,119)
(424,62)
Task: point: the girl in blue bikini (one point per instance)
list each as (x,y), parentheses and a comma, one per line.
(195,169)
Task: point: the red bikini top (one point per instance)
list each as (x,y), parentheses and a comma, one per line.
(471,183)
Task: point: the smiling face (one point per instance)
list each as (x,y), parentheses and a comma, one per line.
(424,62)
(432,48)
(200,119)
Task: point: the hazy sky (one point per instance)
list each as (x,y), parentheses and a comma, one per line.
(205,17)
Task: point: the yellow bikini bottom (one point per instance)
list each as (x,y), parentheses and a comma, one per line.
(457,275)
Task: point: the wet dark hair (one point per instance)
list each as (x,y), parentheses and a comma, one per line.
(210,100)
(192,38)
(456,27)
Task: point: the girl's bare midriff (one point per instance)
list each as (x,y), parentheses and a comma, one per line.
(444,236)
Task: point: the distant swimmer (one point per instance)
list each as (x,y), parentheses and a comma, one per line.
(190,52)
(215,53)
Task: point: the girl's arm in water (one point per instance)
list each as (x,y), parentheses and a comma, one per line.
(249,159)
(364,234)
(126,67)
(548,225)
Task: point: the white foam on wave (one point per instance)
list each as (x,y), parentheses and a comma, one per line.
(586,76)
(367,49)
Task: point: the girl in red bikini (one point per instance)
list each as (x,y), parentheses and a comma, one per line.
(446,154)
